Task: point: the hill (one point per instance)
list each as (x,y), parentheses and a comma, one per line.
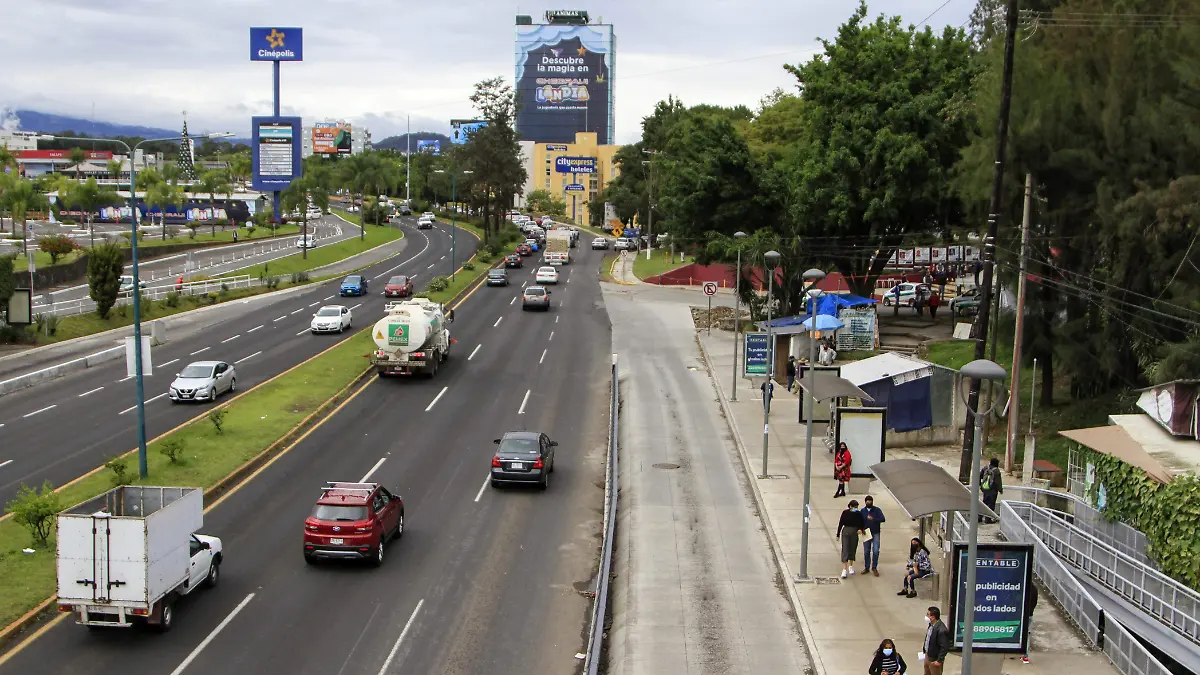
(49,123)
(401,142)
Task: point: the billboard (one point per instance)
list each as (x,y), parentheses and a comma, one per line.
(276,44)
(275,149)
(331,138)
(564,76)
(566,164)
(461,130)
(433,147)
(1003,573)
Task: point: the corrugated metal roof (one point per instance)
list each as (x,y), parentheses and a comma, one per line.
(884,366)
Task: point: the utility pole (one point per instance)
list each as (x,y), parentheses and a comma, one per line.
(1014,417)
(408,165)
(650,217)
(989,243)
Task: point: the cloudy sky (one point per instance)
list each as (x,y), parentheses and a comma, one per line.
(376,61)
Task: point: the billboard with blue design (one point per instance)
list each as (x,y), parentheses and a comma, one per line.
(564,76)
(276,44)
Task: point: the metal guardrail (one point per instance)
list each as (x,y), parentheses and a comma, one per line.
(611,487)
(84,305)
(1128,540)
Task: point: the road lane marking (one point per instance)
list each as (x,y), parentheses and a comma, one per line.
(334,296)
(5,463)
(556,318)
(198,351)
(255,328)
(543,355)
(551,336)
(127,377)
(442,258)
(396,647)
(280,319)
(315,303)
(49,407)
(377,465)
(427,242)
(479,495)
(298,310)
(247,358)
(468,358)
(523,284)
(90,392)
(302,332)
(164,365)
(513,300)
(436,398)
(211,636)
(150,400)
(231,339)
(524,401)
(430,266)
(356,307)
(497,322)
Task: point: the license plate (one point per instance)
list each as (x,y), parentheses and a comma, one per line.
(517,466)
(335,542)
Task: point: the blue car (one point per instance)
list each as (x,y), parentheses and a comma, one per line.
(354,285)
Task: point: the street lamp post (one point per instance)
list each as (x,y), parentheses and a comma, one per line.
(737,314)
(772,262)
(813,276)
(979,370)
(453,212)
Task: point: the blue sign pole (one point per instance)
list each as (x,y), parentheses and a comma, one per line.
(275,195)
(276,44)
(756,349)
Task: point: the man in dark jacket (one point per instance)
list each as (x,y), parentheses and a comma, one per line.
(791,372)
(872,518)
(937,642)
(1031,600)
(990,484)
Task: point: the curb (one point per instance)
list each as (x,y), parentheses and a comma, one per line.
(814,655)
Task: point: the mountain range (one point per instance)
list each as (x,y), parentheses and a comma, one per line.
(401,142)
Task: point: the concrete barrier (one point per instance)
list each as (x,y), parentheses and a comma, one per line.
(58,370)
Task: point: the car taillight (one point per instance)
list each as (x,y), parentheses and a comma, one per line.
(310,527)
(66,608)
(496,461)
(419,355)
(537,463)
(363,529)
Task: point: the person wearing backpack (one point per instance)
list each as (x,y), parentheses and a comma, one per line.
(991,485)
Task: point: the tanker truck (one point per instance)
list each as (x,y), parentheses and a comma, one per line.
(411,337)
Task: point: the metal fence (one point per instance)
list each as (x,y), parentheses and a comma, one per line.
(600,606)
(1128,540)
(85,305)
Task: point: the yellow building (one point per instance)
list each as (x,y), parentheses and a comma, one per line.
(541,160)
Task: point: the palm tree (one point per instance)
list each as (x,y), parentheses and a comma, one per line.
(77,158)
(6,180)
(21,196)
(214,182)
(162,195)
(90,197)
(367,174)
(296,196)
(115,167)
(239,166)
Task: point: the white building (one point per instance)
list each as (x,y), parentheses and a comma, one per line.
(327,131)
(18,140)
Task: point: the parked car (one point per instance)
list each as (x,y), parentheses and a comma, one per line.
(355,284)
(622,244)
(908,294)
(523,457)
(353,521)
(398,286)
(599,244)
(331,319)
(497,277)
(306,241)
(966,304)
(535,297)
(203,380)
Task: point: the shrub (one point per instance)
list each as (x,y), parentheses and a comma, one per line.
(106,264)
(217,417)
(123,310)
(439,283)
(120,471)
(35,511)
(484,257)
(47,323)
(172,299)
(469,266)
(172,449)
(57,246)
(299,277)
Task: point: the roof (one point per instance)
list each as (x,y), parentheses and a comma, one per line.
(204,363)
(1114,441)
(923,488)
(1176,454)
(826,386)
(1167,384)
(884,366)
(355,494)
(528,435)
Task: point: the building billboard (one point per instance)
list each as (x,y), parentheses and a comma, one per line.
(461,130)
(331,138)
(276,44)
(433,147)
(275,153)
(566,164)
(564,76)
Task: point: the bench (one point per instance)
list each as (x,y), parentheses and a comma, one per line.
(928,588)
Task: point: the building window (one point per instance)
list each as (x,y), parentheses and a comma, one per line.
(547,183)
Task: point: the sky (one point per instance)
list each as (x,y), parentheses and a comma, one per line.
(377,62)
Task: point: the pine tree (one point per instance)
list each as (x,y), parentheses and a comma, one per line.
(186,167)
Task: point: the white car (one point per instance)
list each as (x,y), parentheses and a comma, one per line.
(622,244)
(314,214)
(203,380)
(908,294)
(429,215)
(425,223)
(127,284)
(306,241)
(599,244)
(546,275)
(331,319)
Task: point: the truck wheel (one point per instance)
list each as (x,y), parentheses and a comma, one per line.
(214,575)
(166,616)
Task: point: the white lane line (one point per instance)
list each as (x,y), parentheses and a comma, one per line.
(298,310)
(513,300)
(279,319)
(231,338)
(427,242)
(478,495)
(556,318)
(436,399)
(198,351)
(127,377)
(49,407)
(334,296)
(164,365)
(149,400)
(315,303)
(356,307)
(247,358)
(430,266)
(523,284)
(543,355)
(523,402)
(255,328)
(497,322)
(442,258)
(7,462)
(220,627)
(551,336)
(302,332)
(468,358)
(396,647)
(377,465)
(90,392)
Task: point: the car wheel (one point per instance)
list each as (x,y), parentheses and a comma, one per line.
(233,385)
(545,481)
(341,328)
(214,575)
(309,559)
(167,616)
(399,527)
(378,559)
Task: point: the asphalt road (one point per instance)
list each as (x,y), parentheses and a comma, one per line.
(62,429)
(483,581)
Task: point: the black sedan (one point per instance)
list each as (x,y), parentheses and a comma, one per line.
(523,457)
(513,260)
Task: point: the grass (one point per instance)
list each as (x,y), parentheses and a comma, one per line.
(254,422)
(324,255)
(658,263)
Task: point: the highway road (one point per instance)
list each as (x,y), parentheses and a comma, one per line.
(62,429)
(483,580)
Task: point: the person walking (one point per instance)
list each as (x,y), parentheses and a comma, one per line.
(872,518)
(841,469)
(791,372)
(991,485)
(937,642)
(919,565)
(887,660)
(935,301)
(850,525)
(768,390)
(1031,600)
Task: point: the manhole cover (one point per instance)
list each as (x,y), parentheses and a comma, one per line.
(666,465)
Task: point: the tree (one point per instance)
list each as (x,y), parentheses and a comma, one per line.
(6,279)
(366,175)
(90,197)
(541,201)
(115,167)
(77,158)
(106,264)
(36,511)
(214,182)
(297,196)
(161,195)
(493,155)
(57,246)
(21,197)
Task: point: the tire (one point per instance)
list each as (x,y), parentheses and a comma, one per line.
(309,559)
(495,484)
(214,575)
(233,385)
(399,527)
(167,616)
(378,559)
(341,329)
(545,482)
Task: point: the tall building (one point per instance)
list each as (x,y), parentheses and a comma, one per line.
(565,70)
(555,166)
(334,137)
(18,140)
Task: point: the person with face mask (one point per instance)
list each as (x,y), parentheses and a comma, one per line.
(849,527)
(842,460)
(919,566)
(873,518)
(887,660)
(937,642)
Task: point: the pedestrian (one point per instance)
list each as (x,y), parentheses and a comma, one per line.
(872,518)
(235,236)
(919,301)
(791,372)
(887,660)
(937,642)
(768,390)
(841,468)
(1031,600)
(896,304)
(991,485)
(935,301)
(919,565)
(850,525)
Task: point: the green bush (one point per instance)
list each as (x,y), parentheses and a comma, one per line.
(47,323)
(469,266)
(217,417)
(106,264)
(120,471)
(484,257)
(35,511)
(172,299)
(172,449)
(299,277)
(438,284)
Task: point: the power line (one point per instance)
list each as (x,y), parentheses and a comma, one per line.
(926,19)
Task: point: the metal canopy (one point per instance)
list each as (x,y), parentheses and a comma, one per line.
(923,488)
(826,387)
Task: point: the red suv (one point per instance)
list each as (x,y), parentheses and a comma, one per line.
(353,521)
(399,287)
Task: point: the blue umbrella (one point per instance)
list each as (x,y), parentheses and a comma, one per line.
(824,322)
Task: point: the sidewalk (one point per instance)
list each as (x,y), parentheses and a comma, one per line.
(843,621)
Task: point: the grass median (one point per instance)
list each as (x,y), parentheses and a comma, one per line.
(253,422)
(324,254)
(660,262)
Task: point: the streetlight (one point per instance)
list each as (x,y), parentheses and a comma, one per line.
(979,370)
(453,211)
(772,262)
(650,203)
(812,277)
(143,471)
(737,313)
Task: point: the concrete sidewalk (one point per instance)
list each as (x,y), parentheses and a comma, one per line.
(843,621)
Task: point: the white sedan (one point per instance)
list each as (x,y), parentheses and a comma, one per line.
(546,275)
(331,319)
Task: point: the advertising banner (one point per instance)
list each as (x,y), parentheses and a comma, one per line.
(433,147)
(1003,572)
(574,187)
(921,255)
(332,138)
(937,255)
(954,254)
(275,150)
(556,147)
(566,164)
(971,254)
(864,430)
(757,352)
(905,256)
(461,130)
(276,44)
(564,76)
(859,332)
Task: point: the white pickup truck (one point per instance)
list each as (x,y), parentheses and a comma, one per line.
(127,555)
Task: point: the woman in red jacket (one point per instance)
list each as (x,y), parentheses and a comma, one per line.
(841,469)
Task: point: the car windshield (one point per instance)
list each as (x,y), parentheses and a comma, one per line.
(340,513)
(496,273)
(399,281)
(352,280)
(519,446)
(195,370)
(534,292)
(547,270)
(329,311)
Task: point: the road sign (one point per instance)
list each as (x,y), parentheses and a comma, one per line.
(575,187)
(618,231)
(710,288)
(757,352)
(276,44)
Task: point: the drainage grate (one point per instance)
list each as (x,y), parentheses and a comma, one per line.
(665,465)
(816,580)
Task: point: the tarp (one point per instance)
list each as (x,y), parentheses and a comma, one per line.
(827,304)
(908,403)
